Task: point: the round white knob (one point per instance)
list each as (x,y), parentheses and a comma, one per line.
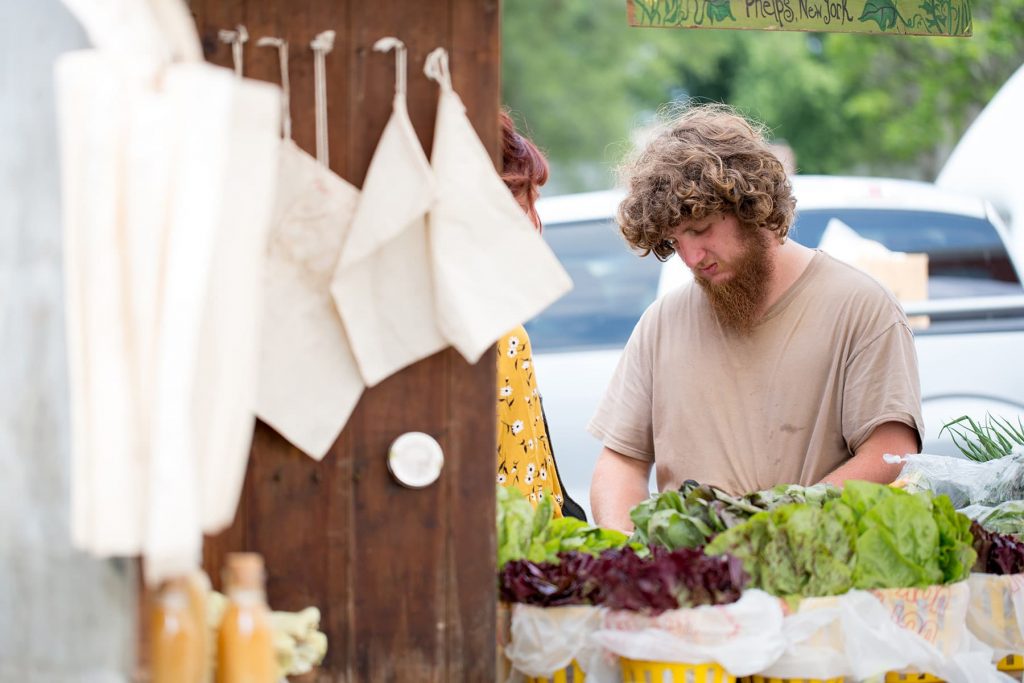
(415,460)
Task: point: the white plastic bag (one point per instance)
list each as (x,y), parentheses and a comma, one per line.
(966,482)
(745,637)
(996,612)
(548,639)
(865,634)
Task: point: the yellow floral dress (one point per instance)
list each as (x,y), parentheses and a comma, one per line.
(524,450)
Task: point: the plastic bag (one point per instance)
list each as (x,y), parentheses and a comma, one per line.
(996,612)
(864,634)
(548,639)
(745,637)
(965,482)
(1005,518)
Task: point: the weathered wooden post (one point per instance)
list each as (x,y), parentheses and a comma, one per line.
(404,578)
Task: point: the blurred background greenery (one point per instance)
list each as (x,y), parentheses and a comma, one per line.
(581,82)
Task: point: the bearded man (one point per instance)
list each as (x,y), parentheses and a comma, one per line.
(778,364)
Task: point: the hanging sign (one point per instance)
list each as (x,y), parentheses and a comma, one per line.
(899,17)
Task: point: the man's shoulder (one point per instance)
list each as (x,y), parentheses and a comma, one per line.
(852,281)
(671,304)
(855,296)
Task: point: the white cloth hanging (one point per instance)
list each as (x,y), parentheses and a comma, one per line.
(477,228)
(168,182)
(96,103)
(308,379)
(383,286)
(228,358)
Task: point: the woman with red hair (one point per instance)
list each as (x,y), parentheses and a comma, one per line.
(525,456)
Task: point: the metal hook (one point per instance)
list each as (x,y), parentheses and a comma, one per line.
(436,68)
(387,44)
(321,44)
(236,39)
(286,96)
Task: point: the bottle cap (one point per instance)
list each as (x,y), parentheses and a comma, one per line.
(244,570)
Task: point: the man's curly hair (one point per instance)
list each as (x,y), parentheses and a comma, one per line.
(706,160)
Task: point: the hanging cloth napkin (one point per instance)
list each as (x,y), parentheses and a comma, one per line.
(308,379)
(167,178)
(477,228)
(383,286)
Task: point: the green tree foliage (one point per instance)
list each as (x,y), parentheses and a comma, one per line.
(581,82)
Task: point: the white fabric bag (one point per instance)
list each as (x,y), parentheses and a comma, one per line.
(384,284)
(116,157)
(309,382)
(96,97)
(167,188)
(477,229)
(217,244)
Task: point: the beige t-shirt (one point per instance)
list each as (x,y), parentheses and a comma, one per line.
(832,359)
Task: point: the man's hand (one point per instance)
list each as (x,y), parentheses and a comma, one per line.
(867,464)
(619,483)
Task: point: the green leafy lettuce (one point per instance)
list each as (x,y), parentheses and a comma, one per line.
(689,517)
(871,536)
(525,533)
(795,549)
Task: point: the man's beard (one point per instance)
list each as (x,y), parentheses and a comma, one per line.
(737,300)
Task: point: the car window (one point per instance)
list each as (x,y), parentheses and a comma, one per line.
(612,286)
(966,256)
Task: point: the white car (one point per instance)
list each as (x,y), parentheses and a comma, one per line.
(968,354)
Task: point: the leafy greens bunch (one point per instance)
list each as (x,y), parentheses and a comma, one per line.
(997,553)
(565,581)
(689,517)
(534,534)
(666,579)
(995,437)
(625,579)
(1005,518)
(870,536)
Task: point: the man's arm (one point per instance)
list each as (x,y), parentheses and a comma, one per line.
(619,483)
(867,464)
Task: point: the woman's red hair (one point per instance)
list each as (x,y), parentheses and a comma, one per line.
(523,167)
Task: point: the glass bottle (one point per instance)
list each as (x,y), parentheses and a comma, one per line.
(245,642)
(177,642)
(198,596)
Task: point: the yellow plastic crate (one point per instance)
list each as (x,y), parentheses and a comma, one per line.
(570,674)
(639,671)
(905,677)
(770,679)
(1011,664)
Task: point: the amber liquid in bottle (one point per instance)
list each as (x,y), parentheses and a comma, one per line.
(245,642)
(198,595)
(177,641)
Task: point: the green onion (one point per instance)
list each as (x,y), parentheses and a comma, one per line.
(995,438)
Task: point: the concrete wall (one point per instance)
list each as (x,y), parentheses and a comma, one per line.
(63,616)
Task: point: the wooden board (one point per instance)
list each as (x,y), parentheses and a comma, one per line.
(404,579)
(895,17)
